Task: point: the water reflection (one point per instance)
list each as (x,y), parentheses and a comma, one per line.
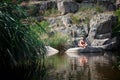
(83,60)
(90,66)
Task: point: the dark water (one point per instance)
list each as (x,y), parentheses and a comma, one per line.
(90,66)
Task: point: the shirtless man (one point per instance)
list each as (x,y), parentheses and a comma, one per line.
(82,43)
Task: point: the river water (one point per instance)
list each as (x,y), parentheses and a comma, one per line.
(86,66)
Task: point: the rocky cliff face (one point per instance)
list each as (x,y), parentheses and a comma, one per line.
(98,30)
(64,24)
(101,26)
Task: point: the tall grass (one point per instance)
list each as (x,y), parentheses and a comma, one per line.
(96,7)
(51,12)
(58,41)
(21,50)
(75,19)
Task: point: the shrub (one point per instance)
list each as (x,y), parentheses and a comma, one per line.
(51,12)
(20,48)
(116,30)
(75,19)
(100,9)
(58,41)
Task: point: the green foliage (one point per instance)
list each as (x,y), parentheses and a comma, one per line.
(44,25)
(33,10)
(57,40)
(75,19)
(96,7)
(100,9)
(116,30)
(21,49)
(78,19)
(51,12)
(87,20)
(118,14)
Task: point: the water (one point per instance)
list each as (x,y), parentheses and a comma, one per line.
(90,66)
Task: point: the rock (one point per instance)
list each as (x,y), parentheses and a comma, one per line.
(100,26)
(51,51)
(99,42)
(44,5)
(94,49)
(111,7)
(103,36)
(79,30)
(63,24)
(85,50)
(40,6)
(66,20)
(40,18)
(111,43)
(118,3)
(67,6)
(100,31)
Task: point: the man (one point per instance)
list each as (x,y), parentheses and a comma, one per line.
(82,43)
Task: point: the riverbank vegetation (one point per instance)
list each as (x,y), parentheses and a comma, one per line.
(58,41)
(116,30)
(22,51)
(86,12)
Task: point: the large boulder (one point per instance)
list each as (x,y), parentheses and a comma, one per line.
(48,5)
(51,51)
(44,5)
(118,3)
(67,6)
(94,49)
(111,7)
(101,26)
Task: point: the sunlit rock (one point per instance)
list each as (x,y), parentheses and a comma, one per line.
(93,49)
(51,51)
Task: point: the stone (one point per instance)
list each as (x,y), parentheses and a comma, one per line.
(100,26)
(89,49)
(94,49)
(111,43)
(63,24)
(99,42)
(40,18)
(118,3)
(41,6)
(51,51)
(67,6)
(100,33)
(111,7)
(66,20)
